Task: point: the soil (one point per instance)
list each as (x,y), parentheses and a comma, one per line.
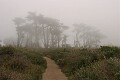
(53,72)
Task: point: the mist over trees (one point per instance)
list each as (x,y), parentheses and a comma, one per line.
(10,41)
(37,30)
(86,36)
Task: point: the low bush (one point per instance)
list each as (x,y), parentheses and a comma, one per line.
(109,51)
(70,62)
(7,50)
(21,64)
(102,70)
(18,63)
(89,64)
(81,59)
(34,56)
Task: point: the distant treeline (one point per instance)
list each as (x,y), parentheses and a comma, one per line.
(36,30)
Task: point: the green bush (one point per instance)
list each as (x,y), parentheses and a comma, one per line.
(117,76)
(78,60)
(7,50)
(88,64)
(4,77)
(110,51)
(59,58)
(70,62)
(18,63)
(101,70)
(21,64)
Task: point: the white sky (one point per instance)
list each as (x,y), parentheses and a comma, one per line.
(102,14)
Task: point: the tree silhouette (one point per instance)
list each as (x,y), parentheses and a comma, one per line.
(38,29)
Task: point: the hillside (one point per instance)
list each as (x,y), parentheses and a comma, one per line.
(88,64)
(21,64)
(76,63)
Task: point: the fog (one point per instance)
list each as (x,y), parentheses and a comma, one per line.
(104,15)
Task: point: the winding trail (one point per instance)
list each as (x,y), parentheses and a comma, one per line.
(53,72)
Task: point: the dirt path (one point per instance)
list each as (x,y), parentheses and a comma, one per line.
(53,72)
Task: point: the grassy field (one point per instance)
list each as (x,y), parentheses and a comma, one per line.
(88,64)
(21,64)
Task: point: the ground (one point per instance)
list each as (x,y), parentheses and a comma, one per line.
(53,72)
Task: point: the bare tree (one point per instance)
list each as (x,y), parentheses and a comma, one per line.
(37,29)
(36,21)
(19,22)
(86,36)
(64,40)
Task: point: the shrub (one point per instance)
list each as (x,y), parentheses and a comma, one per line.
(88,64)
(70,62)
(117,76)
(7,50)
(23,64)
(78,60)
(18,63)
(4,77)
(101,70)
(110,51)
(35,59)
(36,72)
(59,58)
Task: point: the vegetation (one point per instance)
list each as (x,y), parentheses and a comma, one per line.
(21,64)
(39,36)
(88,64)
(77,63)
(86,60)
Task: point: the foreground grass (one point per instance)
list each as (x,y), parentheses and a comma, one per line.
(88,64)
(21,64)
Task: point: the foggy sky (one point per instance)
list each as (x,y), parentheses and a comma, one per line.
(102,14)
